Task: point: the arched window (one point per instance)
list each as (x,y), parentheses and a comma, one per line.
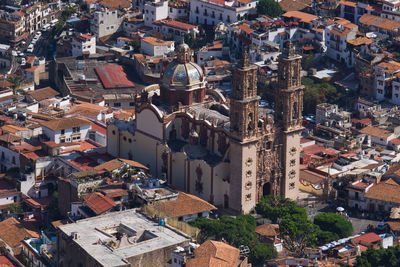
(250,125)
(294,110)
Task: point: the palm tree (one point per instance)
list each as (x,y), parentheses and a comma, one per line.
(16,81)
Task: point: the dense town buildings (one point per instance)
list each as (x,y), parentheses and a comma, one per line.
(128,126)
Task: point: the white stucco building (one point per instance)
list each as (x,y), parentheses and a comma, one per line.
(83,44)
(211,12)
(154,11)
(156,47)
(105,22)
(72,129)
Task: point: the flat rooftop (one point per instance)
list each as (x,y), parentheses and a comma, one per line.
(97,236)
(101,77)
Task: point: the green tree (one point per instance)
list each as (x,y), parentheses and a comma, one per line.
(262,252)
(269,7)
(16,81)
(189,39)
(316,93)
(236,231)
(298,233)
(379,257)
(278,207)
(15,208)
(324,237)
(334,223)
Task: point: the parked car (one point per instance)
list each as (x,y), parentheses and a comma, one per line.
(23,61)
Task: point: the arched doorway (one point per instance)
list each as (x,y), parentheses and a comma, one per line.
(267,189)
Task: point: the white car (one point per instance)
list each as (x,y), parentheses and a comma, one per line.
(23,61)
(33,41)
(20,54)
(29,50)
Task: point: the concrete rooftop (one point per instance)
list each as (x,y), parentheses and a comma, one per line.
(91,230)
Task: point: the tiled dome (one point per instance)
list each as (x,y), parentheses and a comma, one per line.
(182,74)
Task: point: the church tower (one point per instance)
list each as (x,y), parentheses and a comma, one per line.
(288,117)
(244,117)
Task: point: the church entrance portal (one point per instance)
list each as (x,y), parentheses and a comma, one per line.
(267,189)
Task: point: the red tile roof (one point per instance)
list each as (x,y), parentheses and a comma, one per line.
(185,204)
(178,24)
(86,37)
(19,13)
(99,128)
(12,232)
(113,76)
(5,262)
(395,141)
(367,239)
(214,253)
(99,203)
(65,123)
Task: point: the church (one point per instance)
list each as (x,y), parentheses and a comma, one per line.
(216,148)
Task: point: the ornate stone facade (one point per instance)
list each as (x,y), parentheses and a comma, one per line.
(218,150)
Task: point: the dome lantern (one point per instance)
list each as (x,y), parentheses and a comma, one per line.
(183,53)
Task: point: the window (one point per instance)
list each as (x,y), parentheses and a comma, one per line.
(113,132)
(292,162)
(124,138)
(291,186)
(199,214)
(248,197)
(248,185)
(268,145)
(13,160)
(130,140)
(117,104)
(76,129)
(131,104)
(63,131)
(248,173)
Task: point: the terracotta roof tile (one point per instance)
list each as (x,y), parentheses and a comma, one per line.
(99,203)
(156,42)
(5,84)
(378,22)
(395,225)
(215,253)
(374,131)
(10,138)
(118,163)
(385,191)
(246,28)
(390,67)
(4,261)
(12,232)
(65,123)
(267,229)
(295,5)
(44,93)
(367,239)
(302,16)
(348,3)
(360,41)
(13,128)
(343,33)
(177,24)
(185,204)
(115,4)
